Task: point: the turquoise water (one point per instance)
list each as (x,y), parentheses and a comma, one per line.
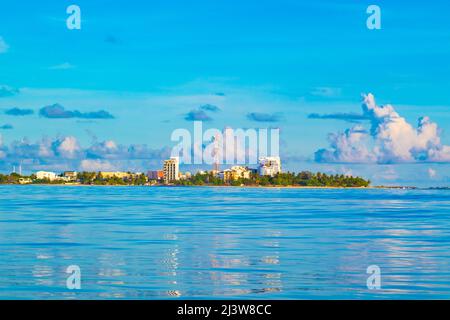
(194,242)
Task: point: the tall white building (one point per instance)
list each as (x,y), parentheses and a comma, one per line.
(44,175)
(235,173)
(269,166)
(171,169)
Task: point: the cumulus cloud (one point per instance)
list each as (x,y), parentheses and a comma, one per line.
(348,146)
(7,91)
(197,115)
(4,47)
(111,151)
(394,140)
(96,165)
(18,112)
(66,153)
(264,117)
(57,111)
(66,147)
(439,154)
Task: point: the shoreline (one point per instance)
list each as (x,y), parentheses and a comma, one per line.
(221,186)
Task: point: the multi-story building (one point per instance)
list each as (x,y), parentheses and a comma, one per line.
(121,175)
(45,175)
(155,175)
(269,166)
(70,175)
(171,169)
(185,176)
(234,173)
(25,181)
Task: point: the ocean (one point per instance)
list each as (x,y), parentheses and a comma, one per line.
(215,243)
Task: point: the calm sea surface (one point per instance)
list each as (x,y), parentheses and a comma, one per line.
(195,242)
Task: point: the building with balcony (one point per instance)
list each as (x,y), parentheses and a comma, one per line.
(70,175)
(171,170)
(269,166)
(45,175)
(117,174)
(235,173)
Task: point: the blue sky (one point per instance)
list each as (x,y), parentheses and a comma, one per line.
(149,63)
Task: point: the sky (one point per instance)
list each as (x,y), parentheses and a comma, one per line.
(346,99)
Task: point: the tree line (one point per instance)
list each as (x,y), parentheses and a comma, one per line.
(304,178)
(85,178)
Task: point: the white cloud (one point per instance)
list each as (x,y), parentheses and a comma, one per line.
(440,154)
(96,165)
(394,139)
(68,147)
(4,47)
(348,146)
(65,153)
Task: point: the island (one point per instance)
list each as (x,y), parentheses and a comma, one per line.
(202,178)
